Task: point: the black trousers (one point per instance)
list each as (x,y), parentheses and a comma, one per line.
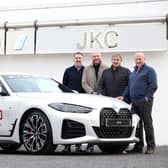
(144,110)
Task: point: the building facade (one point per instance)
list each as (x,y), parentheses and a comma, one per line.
(41,40)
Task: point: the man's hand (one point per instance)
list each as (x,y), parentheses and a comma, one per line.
(120,98)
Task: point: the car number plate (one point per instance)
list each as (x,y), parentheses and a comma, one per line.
(117,122)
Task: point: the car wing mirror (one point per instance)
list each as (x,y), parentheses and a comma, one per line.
(2,91)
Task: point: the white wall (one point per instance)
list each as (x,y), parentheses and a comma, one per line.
(54,65)
(77,11)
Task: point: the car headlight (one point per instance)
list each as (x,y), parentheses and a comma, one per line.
(72,108)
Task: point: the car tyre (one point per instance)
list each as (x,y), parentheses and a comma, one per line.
(36,134)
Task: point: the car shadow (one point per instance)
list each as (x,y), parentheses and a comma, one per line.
(59,153)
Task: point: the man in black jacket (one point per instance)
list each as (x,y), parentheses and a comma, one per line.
(73,75)
(72,78)
(114,79)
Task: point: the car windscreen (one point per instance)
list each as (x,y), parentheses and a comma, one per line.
(33,84)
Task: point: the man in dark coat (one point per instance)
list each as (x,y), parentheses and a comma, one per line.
(72,78)
(114,80)
(73,75)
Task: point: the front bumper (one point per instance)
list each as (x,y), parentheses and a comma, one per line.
(85,132)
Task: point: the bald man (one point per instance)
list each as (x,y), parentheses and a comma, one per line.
(141,88)
(93,73)
(91,77)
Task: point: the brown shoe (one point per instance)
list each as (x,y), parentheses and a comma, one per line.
(149,151)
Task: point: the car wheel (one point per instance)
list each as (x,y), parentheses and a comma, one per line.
(8,148)
(110,148)
(36,133)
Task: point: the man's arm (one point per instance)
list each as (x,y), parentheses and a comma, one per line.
(85,85)
(125,95)
(65,78)
(101,86)
(152,83)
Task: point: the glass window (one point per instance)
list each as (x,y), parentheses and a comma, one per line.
(32,84)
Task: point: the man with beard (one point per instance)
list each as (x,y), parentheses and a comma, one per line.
(93,73)
(73,75)
(72,79)
(91,77)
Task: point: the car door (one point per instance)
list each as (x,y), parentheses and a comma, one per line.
(6,125)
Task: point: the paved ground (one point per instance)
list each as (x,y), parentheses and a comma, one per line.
(21,159)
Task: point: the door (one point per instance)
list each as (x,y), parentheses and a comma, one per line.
(6,127)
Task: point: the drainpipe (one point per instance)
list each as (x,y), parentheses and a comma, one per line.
(167,26)
(35,35)
(5,36)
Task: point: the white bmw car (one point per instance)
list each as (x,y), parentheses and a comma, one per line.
(41,113)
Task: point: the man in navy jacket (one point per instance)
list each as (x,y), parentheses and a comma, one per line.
(141,88)
(72,78)
(73,75)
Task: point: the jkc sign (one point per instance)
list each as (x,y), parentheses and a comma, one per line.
(99,39)
(69,39)
(72,39)
(106,38)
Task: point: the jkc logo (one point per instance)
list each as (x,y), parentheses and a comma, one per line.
(20,42)
(99,39)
